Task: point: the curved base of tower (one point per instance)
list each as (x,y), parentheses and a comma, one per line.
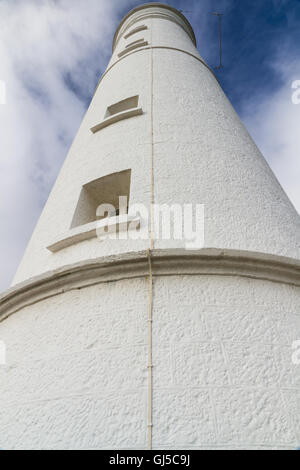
(223,377)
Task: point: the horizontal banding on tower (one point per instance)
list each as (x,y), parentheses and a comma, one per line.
(208,261)
(153,10)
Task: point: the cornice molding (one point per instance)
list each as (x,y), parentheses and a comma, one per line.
(135,265)
(153,10)
(148,48)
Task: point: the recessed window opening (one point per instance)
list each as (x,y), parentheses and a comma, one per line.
(124,105)
(134,42)
(135,30)
(133,47)
(105,190)
(118,111)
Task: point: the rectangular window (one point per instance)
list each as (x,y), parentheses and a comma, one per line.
(132,48)
(123,105)
(136,30)
(123,109)
(105,190)
(134,42)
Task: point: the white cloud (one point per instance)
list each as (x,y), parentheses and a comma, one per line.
(274,122)
(42,45)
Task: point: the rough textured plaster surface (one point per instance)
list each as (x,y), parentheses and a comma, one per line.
(202,155)
(223,373)
(76,373)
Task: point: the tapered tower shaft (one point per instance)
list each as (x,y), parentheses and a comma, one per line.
(132,342)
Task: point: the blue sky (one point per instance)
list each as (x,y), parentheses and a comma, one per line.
(53,53)
(253,33)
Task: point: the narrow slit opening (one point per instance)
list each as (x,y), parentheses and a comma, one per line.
(123,105)
(134,42)
(136,30)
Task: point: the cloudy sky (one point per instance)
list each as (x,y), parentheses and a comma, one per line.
(53,52)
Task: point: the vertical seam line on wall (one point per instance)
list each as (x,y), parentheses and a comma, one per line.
(149,320)
(150,365)
(151,149)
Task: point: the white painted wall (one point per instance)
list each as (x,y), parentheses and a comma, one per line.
(202,154)
(76,373)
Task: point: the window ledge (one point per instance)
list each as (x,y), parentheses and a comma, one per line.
(89,231)
(132,48)
(117,117)
(135,30)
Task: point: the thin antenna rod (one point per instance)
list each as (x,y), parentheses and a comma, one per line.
(220,15)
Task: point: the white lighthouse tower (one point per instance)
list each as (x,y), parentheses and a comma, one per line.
(142,343)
